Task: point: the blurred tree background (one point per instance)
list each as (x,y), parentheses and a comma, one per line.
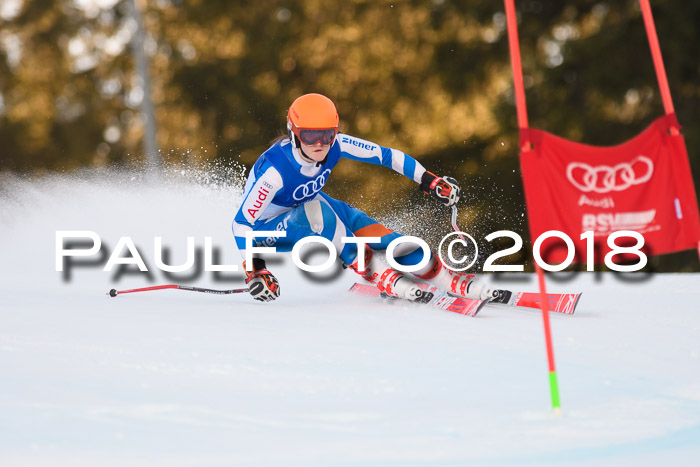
(432,78)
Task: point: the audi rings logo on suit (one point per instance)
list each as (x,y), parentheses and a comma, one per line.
(312,187)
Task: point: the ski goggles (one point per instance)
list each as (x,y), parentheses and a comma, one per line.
(311,137)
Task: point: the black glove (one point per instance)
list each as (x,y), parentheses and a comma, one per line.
(262,285)
(444,189)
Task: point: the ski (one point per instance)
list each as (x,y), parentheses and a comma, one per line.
(439,300)
(557,302)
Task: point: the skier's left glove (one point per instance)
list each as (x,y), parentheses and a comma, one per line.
(262,285)
(444,189)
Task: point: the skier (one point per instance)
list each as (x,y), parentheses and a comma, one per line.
(283,193)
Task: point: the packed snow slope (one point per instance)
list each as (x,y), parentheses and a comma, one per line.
(318,377)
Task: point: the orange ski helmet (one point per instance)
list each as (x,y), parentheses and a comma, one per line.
(312,118)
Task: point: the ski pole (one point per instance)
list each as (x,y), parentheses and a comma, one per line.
(115,292)
(454,223)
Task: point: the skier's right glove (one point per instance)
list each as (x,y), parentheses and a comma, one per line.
(444,189)
(262,285)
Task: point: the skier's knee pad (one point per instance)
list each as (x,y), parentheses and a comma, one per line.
(320,217)
(323,221)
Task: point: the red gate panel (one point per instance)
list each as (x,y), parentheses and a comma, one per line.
(644,184)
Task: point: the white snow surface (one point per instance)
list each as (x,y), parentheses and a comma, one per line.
(318,377)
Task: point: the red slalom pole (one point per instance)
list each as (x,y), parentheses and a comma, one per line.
(553,380)
(115,292)
(656,56)
(659,66)
(516,64)
(521,107)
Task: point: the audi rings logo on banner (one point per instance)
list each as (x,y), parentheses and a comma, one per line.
(604,178)
(312,187)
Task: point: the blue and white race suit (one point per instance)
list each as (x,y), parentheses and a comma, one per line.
(283,193)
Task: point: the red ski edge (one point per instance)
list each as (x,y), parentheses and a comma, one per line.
(559,303)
